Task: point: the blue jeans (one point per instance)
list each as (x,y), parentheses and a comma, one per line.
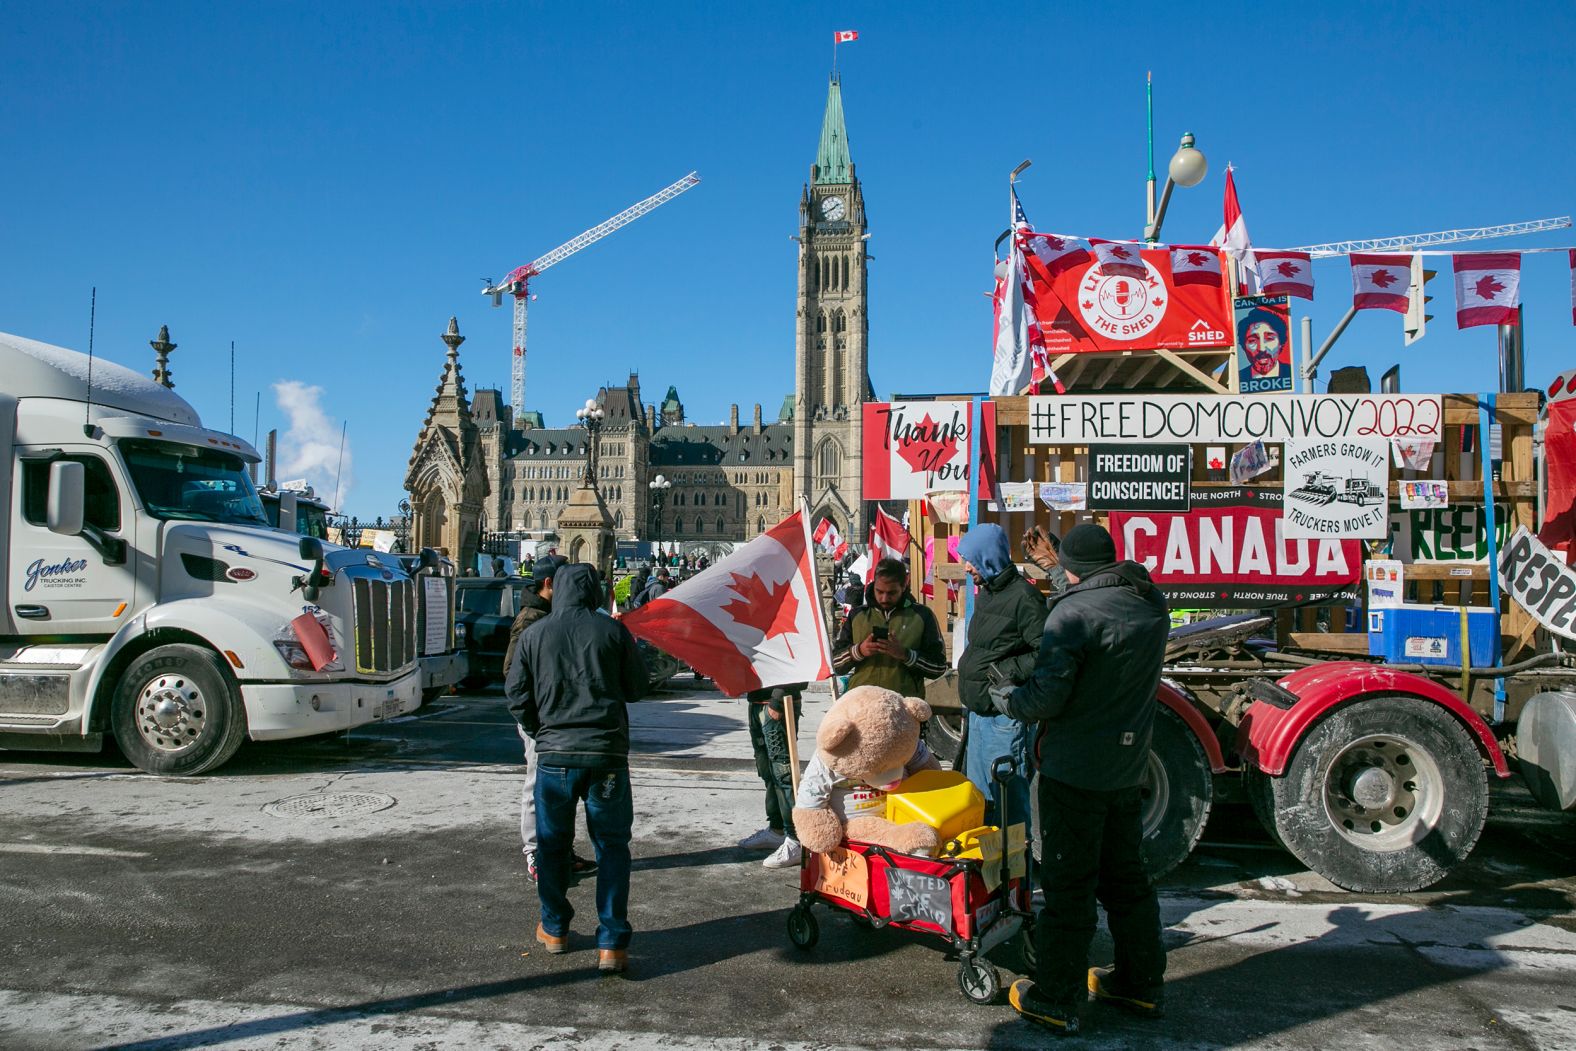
(990,738)
(769,740)
(610,818)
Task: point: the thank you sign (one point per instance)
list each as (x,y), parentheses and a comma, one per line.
(912,448)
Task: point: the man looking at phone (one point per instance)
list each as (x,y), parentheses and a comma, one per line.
(891,641)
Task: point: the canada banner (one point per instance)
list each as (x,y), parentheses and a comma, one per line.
(1088,300)
(751,621)
(914,448)
(1229,551)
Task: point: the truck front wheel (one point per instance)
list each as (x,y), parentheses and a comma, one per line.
(1178,792)
(176,712)
(1384,795)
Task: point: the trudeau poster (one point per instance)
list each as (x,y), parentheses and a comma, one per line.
(1082,309)
(1230,552)
(914,448)
(1263,344)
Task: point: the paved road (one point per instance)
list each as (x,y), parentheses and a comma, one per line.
(247,910)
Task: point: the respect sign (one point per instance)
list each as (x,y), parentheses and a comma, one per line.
(1541,582)
(1138,478)
(1056,419)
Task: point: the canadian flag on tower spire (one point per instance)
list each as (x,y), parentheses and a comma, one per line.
(845,36)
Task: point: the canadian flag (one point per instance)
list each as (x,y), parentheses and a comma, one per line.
(752,620)
(1054,253)
(1380,282)
(1118,258)
(830,540)
(1285,274)
(845,36)
(1233,236)
(1013,366)
(1196,265)
(1488,288)
(888,539)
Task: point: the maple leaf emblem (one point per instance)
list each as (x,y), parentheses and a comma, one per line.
(1056,244)
(1488,285)
(1216,463)
(925,450)
(1118,252)
(1196,259)
(1158,302)
(1088,305)
(1383,278)
(1289,269)
(768,608)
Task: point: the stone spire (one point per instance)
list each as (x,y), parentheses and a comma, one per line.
(833,164)
(162,347)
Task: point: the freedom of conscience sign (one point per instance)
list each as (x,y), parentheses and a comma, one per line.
(1077,420)
(1540,581)
(1138,478)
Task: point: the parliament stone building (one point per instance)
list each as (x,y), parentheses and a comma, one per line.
(480,466)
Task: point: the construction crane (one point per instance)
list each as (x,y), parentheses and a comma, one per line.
(518,280)
(1412,242)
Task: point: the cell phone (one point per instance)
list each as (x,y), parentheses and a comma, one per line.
(878,633)
(997,677)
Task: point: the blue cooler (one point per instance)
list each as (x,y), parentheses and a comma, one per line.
(1432,635)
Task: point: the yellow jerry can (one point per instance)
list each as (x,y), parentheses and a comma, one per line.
(943,799)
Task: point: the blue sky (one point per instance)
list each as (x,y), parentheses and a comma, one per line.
(325,184)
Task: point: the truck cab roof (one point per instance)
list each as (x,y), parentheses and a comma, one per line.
(42,370)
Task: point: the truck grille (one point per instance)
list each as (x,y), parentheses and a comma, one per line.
(385,628)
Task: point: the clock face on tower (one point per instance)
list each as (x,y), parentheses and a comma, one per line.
(832,209)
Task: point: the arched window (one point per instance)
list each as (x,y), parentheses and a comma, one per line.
(721,526)
(700,525)
(618,519)
(760,525)
(820,322)
(829,461)
(678,524)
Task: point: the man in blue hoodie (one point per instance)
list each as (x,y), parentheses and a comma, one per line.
(1003,641)
(574,672)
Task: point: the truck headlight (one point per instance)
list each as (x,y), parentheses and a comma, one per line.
(459,634)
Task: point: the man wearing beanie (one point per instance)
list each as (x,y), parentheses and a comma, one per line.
(1092,700)
(1003,639)
(536,601)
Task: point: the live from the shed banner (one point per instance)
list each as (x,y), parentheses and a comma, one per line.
(1337,489)
(914,448)
(1082,420)
(1540,581)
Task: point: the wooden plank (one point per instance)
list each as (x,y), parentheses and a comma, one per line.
(1331,642)
(1149,365)
(1183,365)
(1471,492)
(1458,571)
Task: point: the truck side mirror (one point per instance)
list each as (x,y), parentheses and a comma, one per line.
(429,560)
(287,512)
(311,550)
(67,496)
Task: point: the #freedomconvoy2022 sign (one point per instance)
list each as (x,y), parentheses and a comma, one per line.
(1082,420)
(1540,581)
(1231,551)
(914,448)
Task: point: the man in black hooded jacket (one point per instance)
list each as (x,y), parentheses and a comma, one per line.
(1093,695)
(575,671)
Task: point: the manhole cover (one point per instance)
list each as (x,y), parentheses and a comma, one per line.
(329,804)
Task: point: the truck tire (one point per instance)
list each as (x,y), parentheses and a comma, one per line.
(944,733)
(1384,795)
(175,712)
(1260,790)
(1178,791)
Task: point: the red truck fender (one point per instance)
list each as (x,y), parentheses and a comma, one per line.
(1269,733)
(1174,699)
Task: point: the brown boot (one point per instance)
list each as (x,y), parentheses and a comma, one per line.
(612,961)
(552,942)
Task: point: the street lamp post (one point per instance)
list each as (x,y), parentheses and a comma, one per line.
(659,487)
(591,415)
(1187,168)
(404,526)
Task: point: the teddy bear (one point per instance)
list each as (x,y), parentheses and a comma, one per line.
(867,743)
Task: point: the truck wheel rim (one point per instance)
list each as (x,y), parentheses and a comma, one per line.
(1156,791)
(171,714)
(1383,792)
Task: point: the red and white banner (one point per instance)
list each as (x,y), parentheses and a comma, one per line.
(1196,265)
(828,539)
(752,620)
(845,36)
(1055,253)
(1117,258)
(1488,288)
(1285,274)
(888,539)
(1229,551)
(912,448)
(1082,310)
(1233,237)
(1380,282)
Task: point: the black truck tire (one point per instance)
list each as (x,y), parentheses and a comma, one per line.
(1383,795)
(1178,793)
(944,732)
(176,712)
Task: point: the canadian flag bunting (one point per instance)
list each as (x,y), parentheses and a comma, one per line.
(752,620)
(845,36)
(1380,282)
(1285,274)
(1054,253)
(1488,288)
(1196,265)
(1118,258)
(888,539)
(830,540)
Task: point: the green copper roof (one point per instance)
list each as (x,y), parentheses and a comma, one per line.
(832,163)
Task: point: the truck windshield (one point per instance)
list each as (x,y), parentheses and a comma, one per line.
(183,481)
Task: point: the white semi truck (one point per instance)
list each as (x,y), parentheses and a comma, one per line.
(144,595)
